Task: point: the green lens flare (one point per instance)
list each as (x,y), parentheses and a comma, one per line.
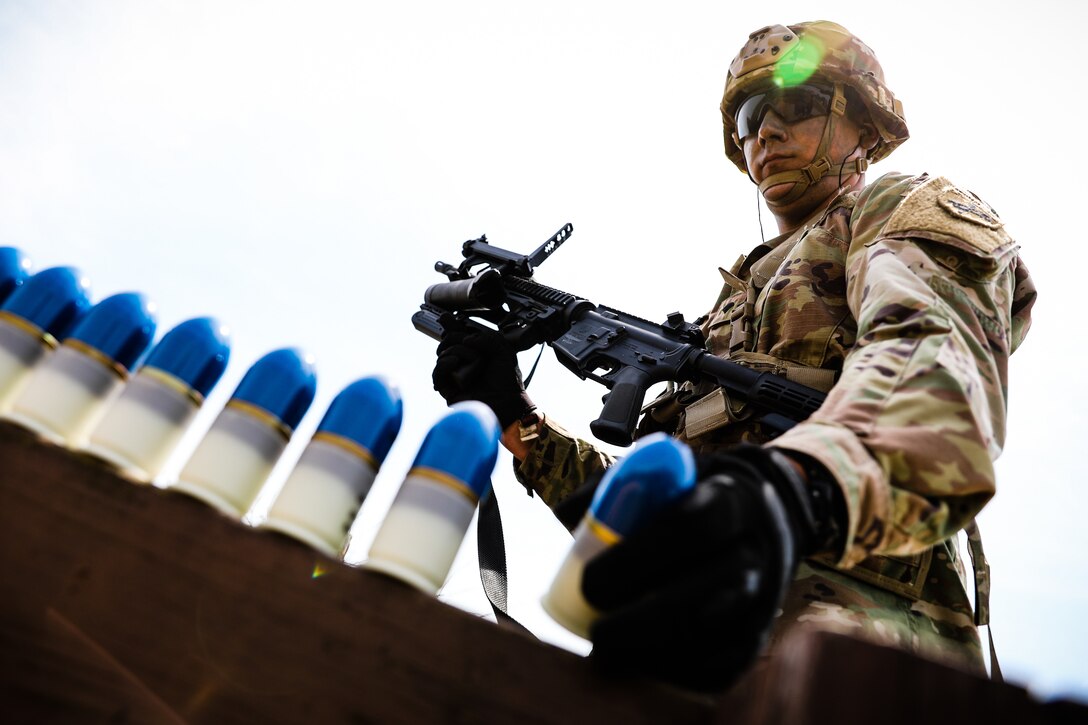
(800,64)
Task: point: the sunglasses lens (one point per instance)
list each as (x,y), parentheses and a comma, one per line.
(750,114)
(797,104)
(791,104)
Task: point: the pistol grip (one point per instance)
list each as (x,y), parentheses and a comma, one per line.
(622,406)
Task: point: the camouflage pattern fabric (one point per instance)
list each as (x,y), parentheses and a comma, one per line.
(830,599)
(559,463)
(912,295)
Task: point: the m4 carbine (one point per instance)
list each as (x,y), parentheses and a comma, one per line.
(624,353)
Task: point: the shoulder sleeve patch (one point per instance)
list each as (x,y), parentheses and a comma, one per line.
(939,211)
(965,205)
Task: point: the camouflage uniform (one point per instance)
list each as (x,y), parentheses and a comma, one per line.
(904,300)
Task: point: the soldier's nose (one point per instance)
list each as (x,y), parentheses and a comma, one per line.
(771,126)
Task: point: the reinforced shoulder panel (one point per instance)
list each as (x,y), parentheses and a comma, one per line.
(971,238)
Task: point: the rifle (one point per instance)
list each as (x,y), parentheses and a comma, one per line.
(624,353)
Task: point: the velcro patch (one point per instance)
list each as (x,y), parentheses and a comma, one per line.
(969,207)
(939,211)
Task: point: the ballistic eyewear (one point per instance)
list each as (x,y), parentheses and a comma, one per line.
(792,104)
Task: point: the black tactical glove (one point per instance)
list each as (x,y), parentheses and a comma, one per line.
(691,598)
(478,364)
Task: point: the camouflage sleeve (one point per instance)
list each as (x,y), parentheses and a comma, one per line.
(558,463)
(911,429)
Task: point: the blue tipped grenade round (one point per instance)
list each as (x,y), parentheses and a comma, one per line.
(421,533)
(143,426)
(658,471)
(320,499)
(33,315)
(232,462)
(14,270)
(68,392)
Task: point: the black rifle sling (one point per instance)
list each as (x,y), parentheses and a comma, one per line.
(491,549)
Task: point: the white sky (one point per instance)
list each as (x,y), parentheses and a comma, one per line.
(296,168)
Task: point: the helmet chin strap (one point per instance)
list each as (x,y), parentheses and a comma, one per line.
(821,165)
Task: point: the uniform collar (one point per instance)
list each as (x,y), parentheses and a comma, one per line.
(774,250)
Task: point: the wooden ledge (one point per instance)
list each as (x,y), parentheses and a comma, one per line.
(125,603)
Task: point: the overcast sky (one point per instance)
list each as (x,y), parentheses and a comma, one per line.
(296,169)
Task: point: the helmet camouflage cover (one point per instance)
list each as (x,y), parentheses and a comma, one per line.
(782,56)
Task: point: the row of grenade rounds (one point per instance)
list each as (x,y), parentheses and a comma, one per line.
(88,377)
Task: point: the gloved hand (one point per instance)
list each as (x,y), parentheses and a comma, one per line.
(691,598)
(478,364)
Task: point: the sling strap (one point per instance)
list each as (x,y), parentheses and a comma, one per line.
(491,549)
(981,567)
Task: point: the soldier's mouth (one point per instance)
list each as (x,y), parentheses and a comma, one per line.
(774,163)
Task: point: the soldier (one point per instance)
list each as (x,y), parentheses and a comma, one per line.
(902,299)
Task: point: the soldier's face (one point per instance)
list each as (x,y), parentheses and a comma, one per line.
(781,146)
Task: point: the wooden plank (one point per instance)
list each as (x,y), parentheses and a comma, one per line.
(124,603)
(830,678)
(130,602)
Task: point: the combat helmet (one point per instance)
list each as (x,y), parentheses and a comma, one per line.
(820,51)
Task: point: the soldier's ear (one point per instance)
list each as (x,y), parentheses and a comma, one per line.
(868,136)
